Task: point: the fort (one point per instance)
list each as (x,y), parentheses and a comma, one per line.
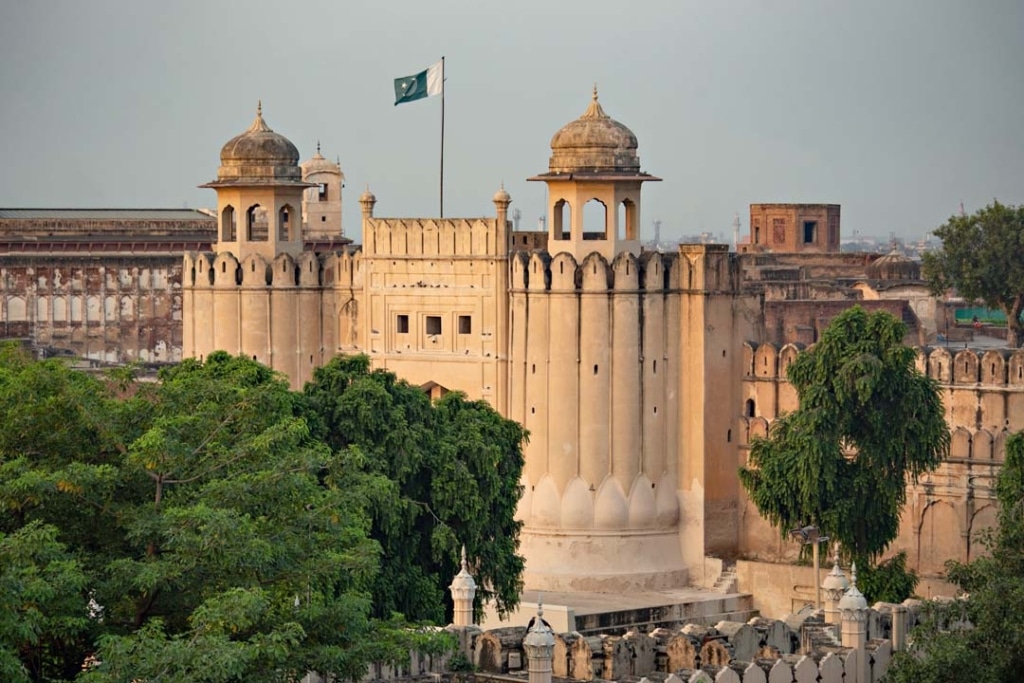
(640,375)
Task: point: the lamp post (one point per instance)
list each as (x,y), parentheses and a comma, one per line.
(811,535)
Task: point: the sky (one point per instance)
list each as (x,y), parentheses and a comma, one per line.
(898,110)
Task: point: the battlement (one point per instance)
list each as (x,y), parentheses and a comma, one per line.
(694,267)
(433,237)
(225,271)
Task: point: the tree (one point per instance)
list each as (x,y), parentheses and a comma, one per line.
(217,539)
(453,469)
(981,636)
(867,421)
(982,257)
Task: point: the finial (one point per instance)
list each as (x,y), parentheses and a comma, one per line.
(853,574)
(595,91)
(465,566)
(317,146)
(835,555)
(540,607)
(259,107)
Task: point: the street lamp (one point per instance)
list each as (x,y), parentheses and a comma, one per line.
(811,535)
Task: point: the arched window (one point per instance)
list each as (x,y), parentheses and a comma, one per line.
(256,224)
(595,220)
(750,408)
(228,228)
(563,220)
(628,220)
(284,223)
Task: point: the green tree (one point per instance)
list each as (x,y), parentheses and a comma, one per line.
(867,421)
(982,257)
(453,470)
(217,539)
(981,637)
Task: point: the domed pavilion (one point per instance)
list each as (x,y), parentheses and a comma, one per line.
(594,159)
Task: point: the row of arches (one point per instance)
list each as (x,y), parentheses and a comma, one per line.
(72,309)
(997,367)
(597,222)
(257,224)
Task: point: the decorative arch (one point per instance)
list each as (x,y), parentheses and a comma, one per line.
(228,225)
(257,224)
(938,538)
(284,223)
(984,518)
(562,219)
(960,443)
(627,223)
(595,219)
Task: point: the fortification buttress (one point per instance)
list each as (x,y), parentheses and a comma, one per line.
(594,375)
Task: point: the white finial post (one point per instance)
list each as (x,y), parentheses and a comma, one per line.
(539,645)
(834,586)
(854,610)
(463,591)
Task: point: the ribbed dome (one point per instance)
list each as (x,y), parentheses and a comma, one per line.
(893,266)
(594,142)
(259,155)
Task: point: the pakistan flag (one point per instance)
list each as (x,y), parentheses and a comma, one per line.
(416,87)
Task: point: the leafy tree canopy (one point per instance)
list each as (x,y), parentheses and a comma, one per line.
(453,470)
(979,638)
(188,530)
(867,421)
(982,257)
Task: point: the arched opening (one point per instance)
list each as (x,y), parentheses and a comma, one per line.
(284,223)
(628,218)
(563,220)
(757,235)
(750,408)
(595,220)
(228,228)
(256,224)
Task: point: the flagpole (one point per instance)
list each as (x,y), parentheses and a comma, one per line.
(442,136)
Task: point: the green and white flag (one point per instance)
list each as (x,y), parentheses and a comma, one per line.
(418,86)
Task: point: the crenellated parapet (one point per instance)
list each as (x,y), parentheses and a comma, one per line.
(448,237)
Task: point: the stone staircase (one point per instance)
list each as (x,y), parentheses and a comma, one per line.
(726,582)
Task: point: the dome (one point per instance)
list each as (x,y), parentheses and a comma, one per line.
(836,580)
(502,196)
(319,164)
(853,600)
(594,142)
(893,266)
(258,156)
(539,641)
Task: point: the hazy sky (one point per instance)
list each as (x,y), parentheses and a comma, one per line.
(896,109)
